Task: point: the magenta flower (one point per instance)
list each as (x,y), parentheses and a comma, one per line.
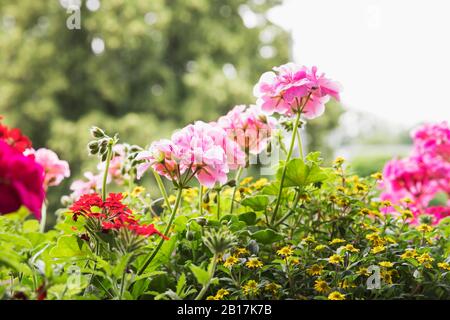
(55,169)
(21,182)
(249,127)
(290,86)
(433,140)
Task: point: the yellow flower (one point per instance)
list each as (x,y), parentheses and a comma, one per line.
(337,240)
(349,247)
(172,199)
(315,270)
(211,298)
(424,258)
(340,189)
(335,295)
(365,212)
(407,214)
(230,261)
(321,286)
(409,254)
(386,203)
(222,293)
(390,239)
(137,191)
(363,271)
(241,251)
(272,288)
(361,188)
(375,239)
(319,247)
(347,284)
(424,228)
(338,161)
(335,259)
(295,261)
(386,264)
(285,251)
(253,263)
(259,184)
(246,181)
(444,265)
(378,249)
(387,277)
(190,194)
(309,239)
(407,200)
(377,176)
(250,288)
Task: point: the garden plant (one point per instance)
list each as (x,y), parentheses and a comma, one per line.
(302,230)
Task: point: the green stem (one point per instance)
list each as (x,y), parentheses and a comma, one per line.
(43,217)
(283,174)
(218,204)
(105,174)
(288,214)
(166,232)
(211,275)
(238,176)
(300,144)
(200,199)
(162,188)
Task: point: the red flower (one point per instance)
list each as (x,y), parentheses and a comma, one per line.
(114,214)
(14,138)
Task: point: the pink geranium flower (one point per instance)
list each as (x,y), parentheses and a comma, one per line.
(290,86)
(21,181)
(161,157)
(90,185)
(55,169)
(249,127)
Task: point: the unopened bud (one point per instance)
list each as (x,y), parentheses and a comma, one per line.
(96,132)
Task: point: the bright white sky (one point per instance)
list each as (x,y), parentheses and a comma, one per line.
(391,56)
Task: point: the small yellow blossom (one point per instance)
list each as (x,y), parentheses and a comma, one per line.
(386,264)
(407,214)
(425,258)
(294,261)
(222,293)
(285,251)
(337,240)
(319,247)
(335,295)
(424,228)
(321,286)
(315,270)
(409,254)
(246,181)
(349,247)
(378,249)
(272,287)
(338,161)
(241,252)
(386,203)
(253,263)
(250,288)
(309,238)
(444,265)
(137,191)
(335,259)
(377,176)
(230,261)
(212,298)
(347,284)
(259,184)
(362,271)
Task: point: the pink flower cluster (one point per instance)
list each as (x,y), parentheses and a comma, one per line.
(249,127)
(424,174)
(292,87)
(55,169)
(200,149)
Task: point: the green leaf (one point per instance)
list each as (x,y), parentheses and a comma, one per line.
(257,203)
(201,275)
(181,283)
(16,240)
(68,247)
(30,226)
(300,174)
(267,236)
(248,217)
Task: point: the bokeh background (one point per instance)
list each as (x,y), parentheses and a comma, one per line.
(143,68)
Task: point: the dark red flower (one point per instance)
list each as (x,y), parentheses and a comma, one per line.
(14,138)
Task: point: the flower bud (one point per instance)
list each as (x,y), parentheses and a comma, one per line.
(96,132)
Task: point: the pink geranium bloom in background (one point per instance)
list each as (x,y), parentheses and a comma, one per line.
(161,157)
(21,181)
(433,139)
(249,127)
(55,169)
(90,185)
(287,88)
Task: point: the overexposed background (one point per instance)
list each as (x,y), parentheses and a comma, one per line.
(392,57)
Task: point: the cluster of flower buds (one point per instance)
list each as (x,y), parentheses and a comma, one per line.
(101,143)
